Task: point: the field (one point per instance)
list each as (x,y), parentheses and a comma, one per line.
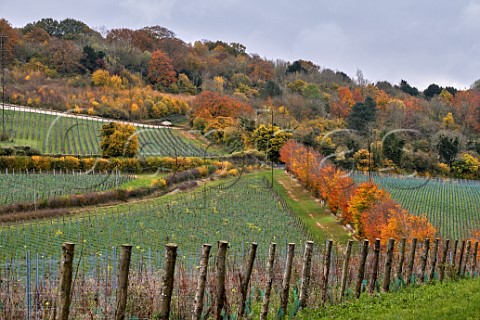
(54,134)
(29,187)
(239,212)
(451,205)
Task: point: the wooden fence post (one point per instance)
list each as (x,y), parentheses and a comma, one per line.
(411,260)
(361,268)
(376,256)
(306,270)
(443,262)
(326,271)
(66,270)
(166,288)
(269,283)
(346,263)
(221,274)
(122,287)
(467,257)
(434,259)
(454,259)
(286,279)
(474,263)
(401,258)
(424,259)
(388,265)
(245,278)
(202,278)
(460,261)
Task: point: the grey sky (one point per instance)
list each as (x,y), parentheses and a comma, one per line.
(423,42)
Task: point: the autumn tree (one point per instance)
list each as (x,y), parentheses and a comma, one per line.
(160,70)
(8,39)
(119,140)
(270,139)
(366,196)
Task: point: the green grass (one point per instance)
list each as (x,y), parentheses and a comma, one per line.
(449,301)
(142,181)
(317,219)
(451,206)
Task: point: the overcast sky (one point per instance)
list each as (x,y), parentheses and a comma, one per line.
(421,41)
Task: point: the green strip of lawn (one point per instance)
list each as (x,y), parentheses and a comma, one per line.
(449,300)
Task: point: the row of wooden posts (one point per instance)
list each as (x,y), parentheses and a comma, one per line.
(167,282)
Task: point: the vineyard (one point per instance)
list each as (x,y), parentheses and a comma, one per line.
(243,210)
(36,187)
(56,134)
(451,205)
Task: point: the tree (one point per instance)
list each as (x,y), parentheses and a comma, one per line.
(432,91)
(119,140)
(8,40)
(392,148)
(270,139)
(405,87)
(64,56)
(92,60)
(448,121)
(160,70)
(361,115)
(448,148)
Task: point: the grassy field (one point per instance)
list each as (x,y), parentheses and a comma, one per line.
(451,205)
(62,135)
(449,301)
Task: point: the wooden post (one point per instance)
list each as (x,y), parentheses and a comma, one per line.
(245,278)
(474,262)
(286,279)
(434,259)
(66,270)
(423,259)
(467,257)
(411,260)
(361,268)
(221,273)
(388,265)
(202,278)
(306,270)
(443,264)
(460,260)
(269,283)
(166,288)
(454,258)
(401,258)
(346,262)
(376,255)
(122,287)
(326,271)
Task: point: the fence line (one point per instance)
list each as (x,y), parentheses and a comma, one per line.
(227,285)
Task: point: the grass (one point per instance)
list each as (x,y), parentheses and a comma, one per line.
(318,219)
(449,300)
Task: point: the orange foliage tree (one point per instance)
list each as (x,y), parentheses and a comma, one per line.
(365,197)
(160,69)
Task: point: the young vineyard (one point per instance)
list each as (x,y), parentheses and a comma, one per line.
(452,206)
(34,187)
(60,134)
(240,211)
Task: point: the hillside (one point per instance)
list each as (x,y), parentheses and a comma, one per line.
(150,75)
